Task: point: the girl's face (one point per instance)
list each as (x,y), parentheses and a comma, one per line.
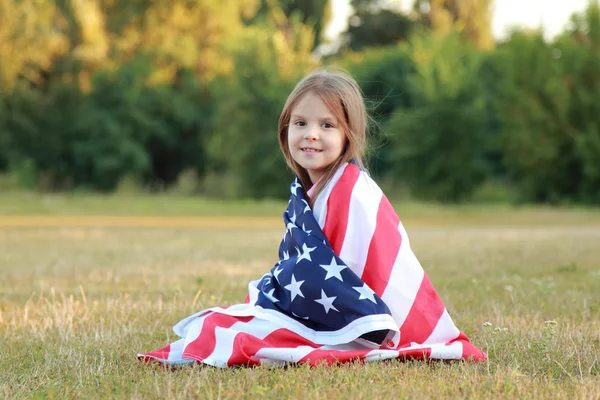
(315,140)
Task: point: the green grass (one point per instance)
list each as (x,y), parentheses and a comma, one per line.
(77,303)
(169,205)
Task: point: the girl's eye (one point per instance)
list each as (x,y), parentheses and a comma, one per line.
(299,123)
(328,125)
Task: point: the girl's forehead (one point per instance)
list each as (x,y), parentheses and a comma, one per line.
(311,104)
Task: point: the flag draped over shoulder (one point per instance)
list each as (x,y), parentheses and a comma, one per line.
(347,286)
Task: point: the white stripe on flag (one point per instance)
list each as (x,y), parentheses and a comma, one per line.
(444,331)
(378,355)
(253,291)
(176,350)
(224,338)
(362,221)
(447,352)
(270,355)
(405,281)
(320,204)
(192,330)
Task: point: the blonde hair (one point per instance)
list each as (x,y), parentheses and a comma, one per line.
(342,95)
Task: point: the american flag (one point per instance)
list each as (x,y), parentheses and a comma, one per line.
(347,286)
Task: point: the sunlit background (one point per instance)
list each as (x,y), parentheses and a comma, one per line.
(550,15)
(472,100)
(141,181)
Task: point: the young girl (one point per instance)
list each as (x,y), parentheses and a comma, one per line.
(347,285)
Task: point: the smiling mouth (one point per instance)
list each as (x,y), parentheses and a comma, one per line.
(310,150)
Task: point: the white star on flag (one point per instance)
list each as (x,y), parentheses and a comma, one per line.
(327,302)
(293,218)
(365,293)
(289,228)
(295,186)
(307,208)
(277,272)
(294,288)
(270,296)
(305,253)
(304,229)
(333,270)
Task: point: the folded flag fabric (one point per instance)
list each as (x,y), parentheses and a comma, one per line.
(347,286)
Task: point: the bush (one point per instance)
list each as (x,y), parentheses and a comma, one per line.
(549,105)
(438,141)
(124,127)
(243,149)
(130,127)
(383,75)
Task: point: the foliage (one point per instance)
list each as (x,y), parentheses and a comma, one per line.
(373,26)
(438,140)
(130,128)
(30,41)
(121,127)
(249,104)
(383,74)
(94,93)
(313,13)
(472,19)
(550,107)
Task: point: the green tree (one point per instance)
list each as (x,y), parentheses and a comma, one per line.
(372,25)
(94,90)
(383,74)
(439,140)
(30,41)
(40,129)
(244,151)
(550,106)
(471,18)
(580,52)
(313,13)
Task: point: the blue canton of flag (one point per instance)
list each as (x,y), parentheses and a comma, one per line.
(310,282)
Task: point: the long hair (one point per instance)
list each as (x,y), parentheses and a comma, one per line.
(344,99)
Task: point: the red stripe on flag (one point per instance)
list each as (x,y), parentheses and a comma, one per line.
(204,344)
(470,352)
(246,345)
(338,206)
(423,317)
(286,338)
(162,354)
(384,248)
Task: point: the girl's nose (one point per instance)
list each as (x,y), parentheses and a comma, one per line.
(311,134)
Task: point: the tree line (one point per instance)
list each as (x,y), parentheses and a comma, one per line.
(95,92)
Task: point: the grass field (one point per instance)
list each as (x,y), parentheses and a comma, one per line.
(81,293)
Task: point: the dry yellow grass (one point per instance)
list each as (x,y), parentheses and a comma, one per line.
(112,221)
(78,301)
